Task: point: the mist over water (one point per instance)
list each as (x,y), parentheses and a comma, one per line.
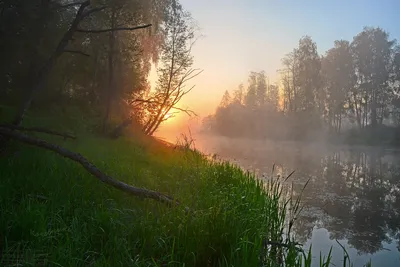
(353,194)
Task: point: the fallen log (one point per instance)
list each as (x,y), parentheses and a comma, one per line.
(90,167)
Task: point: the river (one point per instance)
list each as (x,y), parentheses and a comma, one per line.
(353,194)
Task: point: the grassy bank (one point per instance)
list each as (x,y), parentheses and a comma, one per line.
(53,213)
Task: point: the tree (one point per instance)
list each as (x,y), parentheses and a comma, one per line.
(84,11)
(289,79)
(395,84)
(358,81)
(176,67)
(239,95)
(309,75)
(273,97)
(20,21)
(226,100)
(338,73)
(127,48)
(373,57)
(261,88)
(208,123)
(251,95)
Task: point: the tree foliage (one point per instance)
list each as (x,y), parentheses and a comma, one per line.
(354,85)
(95,55)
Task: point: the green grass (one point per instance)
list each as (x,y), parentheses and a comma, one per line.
(53,213)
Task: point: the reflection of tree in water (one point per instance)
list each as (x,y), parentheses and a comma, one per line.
(354,195)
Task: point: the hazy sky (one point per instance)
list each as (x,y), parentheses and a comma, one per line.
(245,35)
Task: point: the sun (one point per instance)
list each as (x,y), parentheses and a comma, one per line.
(168,116)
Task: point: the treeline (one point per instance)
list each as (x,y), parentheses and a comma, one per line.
(354,85)
(96,56)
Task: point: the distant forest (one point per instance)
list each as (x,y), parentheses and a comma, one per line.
(351,94)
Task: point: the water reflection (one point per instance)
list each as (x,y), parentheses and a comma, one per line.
(356,196)
(353,193)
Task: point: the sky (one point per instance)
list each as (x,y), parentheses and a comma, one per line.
(240,36)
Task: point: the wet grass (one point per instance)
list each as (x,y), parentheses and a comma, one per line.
(53,213)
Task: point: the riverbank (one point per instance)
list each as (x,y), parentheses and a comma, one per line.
(55,213)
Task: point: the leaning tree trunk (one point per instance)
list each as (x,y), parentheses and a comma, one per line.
(157,123)
(49,65)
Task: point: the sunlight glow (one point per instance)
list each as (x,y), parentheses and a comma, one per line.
(169,116)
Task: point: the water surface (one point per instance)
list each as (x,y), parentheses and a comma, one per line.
(353,194)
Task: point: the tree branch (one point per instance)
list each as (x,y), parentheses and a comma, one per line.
(90,167)
(37,129)
(190,75)
(76,52)
(187,111)
(115,29)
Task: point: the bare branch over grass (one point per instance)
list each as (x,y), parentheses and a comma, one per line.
(90,167)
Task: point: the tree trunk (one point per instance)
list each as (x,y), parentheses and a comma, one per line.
(110,90)
(93,84)
(365,123)
(149,129)
(373,108)
(330,122)
(381,116)
(294,90)
(357,110)
(48,66)
(157,124)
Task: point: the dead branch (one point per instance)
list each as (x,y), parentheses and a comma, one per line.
(189,112)
(37,129)
(76,52)
(186,77)
(115,29)
(90,167)
(189,75)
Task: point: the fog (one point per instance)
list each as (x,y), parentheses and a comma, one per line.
(353,194)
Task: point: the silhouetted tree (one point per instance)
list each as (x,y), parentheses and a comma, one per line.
(373,55)
(176,66)
(226,100)
(357,82)
(339,77)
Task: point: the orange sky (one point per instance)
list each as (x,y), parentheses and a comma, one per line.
(232,45)
(253,35)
